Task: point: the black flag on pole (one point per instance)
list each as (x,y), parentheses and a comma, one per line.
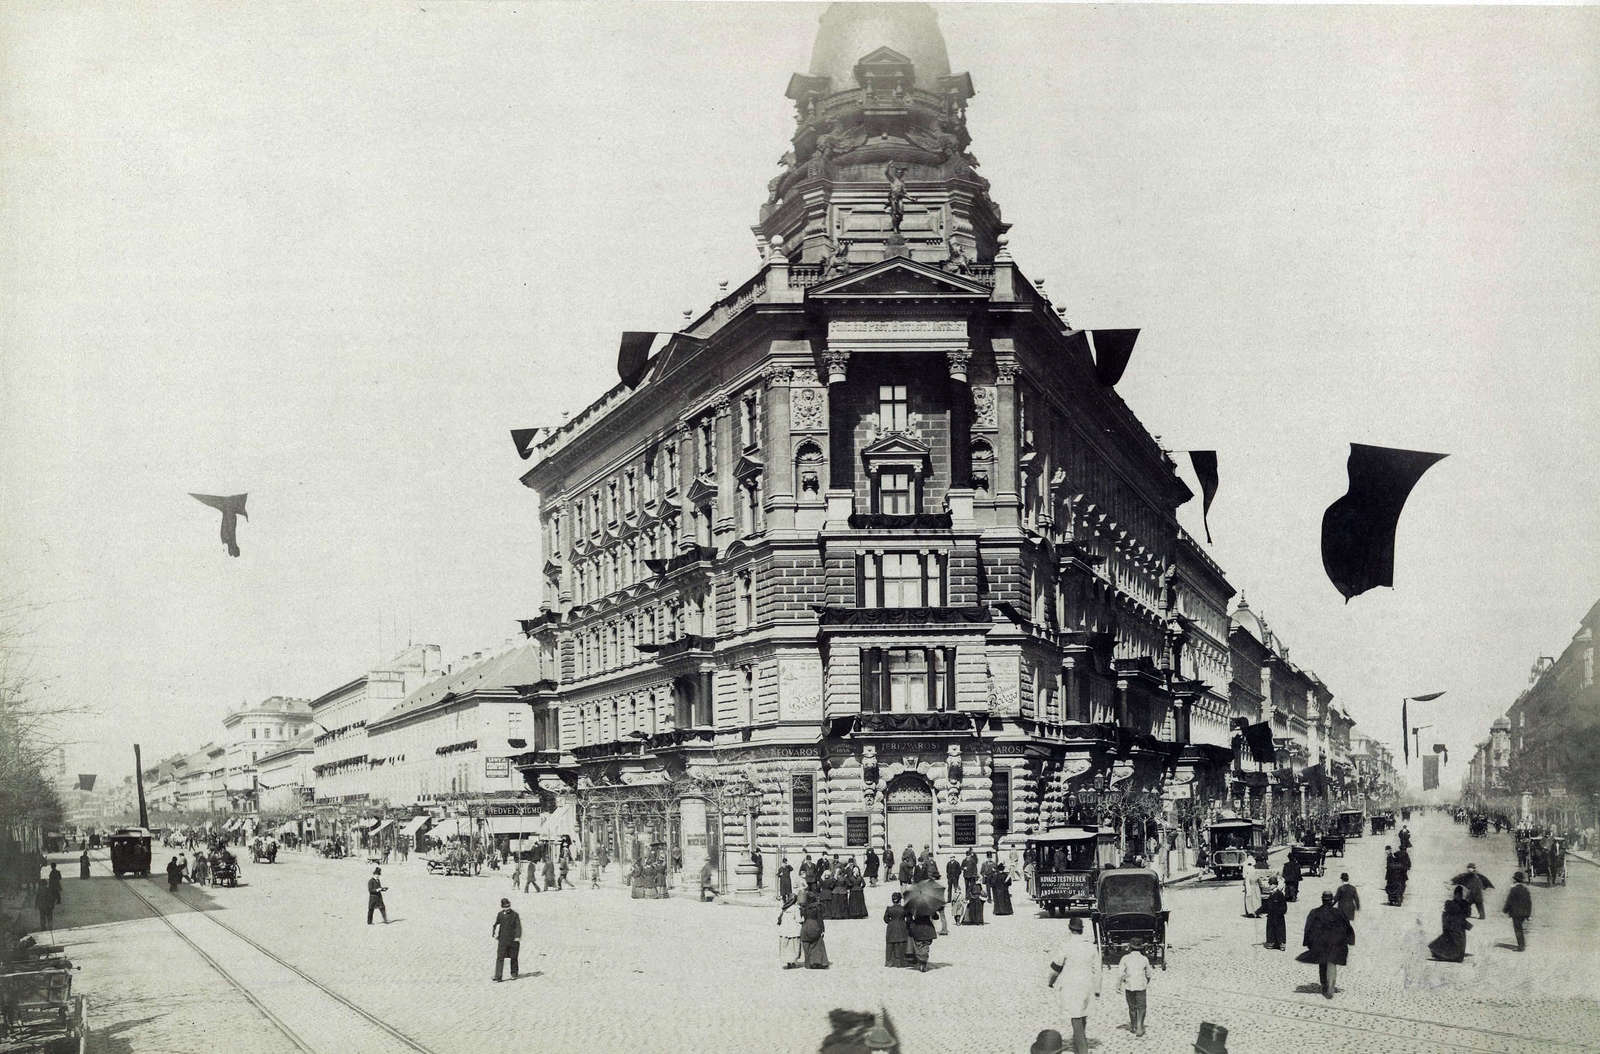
(1205,470)
(1259,738)
(1438,748)
(1358,529)
(1112,350)
(85,782)
(524,438)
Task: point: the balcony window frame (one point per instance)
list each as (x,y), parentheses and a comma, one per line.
(885,690)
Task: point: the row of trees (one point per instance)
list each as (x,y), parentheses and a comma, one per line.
(30,728)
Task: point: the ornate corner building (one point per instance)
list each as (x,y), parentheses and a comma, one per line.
(872,552)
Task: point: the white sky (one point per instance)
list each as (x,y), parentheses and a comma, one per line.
(330,253)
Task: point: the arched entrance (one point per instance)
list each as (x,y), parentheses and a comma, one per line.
(908,813)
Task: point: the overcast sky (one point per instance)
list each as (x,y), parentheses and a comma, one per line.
(330,254)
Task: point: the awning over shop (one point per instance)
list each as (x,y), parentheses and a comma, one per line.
(563,820)
(232,824)
(449,827)
(364,825)
(414,825)
(287,828)
(382,827)
(515,826)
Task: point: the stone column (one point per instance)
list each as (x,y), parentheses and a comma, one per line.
(778,446)
(685,441)
(1007,480)
(728,497)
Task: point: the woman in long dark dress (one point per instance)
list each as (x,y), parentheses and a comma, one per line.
(812,929)
(1000,889)
(858,896)
(825,892)
(895,934)
(908,863)
(841,893)
(974,913)
(1275,905)
(1451,945)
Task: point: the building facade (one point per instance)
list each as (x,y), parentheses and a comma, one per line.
(340,768)
(253,731)
(872,552)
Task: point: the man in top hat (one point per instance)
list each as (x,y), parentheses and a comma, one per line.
(1327,939)
(1048,1042)
(375,891)
(1213,1039)
(1519,905)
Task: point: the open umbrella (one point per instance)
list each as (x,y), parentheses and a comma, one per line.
(924,898)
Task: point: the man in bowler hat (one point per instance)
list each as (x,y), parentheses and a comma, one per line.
(507,934)
(1327,940)
(1519,905)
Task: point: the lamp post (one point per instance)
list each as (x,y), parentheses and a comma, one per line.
(1405,722)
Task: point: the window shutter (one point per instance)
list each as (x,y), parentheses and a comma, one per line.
(871,679)
(949,678)
(861,580)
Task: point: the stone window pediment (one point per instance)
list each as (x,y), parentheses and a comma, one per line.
(702,491)
(897,450)
(748,465)
(899,277)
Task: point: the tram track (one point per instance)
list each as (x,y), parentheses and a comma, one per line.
(390,1037)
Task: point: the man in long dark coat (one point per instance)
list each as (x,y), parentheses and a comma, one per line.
(1347,898)
(952,878)
(1291,880)
(1474,884)
(872,867)
(908,866)
(1275,905)
(1519,905)
(785,881)
(507,934)
(1327,941)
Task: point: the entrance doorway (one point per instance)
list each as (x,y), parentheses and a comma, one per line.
(908,814)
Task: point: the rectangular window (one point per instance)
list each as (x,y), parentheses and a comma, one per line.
(802,808)
(708,446)
(892,416)
(629,491)
(1000,801)
(747,695)
(744,607)
(611,503)
(900,580)
(966,828)
(855,831)
(748,434)
(896,493)
(907,680)
(672,466)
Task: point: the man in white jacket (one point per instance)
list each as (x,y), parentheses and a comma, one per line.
(1075,974)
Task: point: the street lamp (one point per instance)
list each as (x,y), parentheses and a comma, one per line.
(1405,722)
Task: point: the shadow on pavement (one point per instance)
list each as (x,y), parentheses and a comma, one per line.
(108,1039)
(103,900)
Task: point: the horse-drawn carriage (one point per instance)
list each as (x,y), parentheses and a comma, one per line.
(1478,826)
(1332,845)
(453,860)
(1547,856)
(1349,823)
(1128,913)
(1312,858)
(40,1011)
(224,868)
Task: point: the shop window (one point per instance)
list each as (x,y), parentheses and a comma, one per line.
(802,804)
(892,408)
(1000,801)
(856,831)
(966,828)
(907,680)
(900,580)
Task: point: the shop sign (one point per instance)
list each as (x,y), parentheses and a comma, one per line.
(512,808)
(496,768)
(1176,791)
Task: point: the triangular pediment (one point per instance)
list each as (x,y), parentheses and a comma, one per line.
(901,279)
(701,491)
(896,444)
(884,57)
(748,465)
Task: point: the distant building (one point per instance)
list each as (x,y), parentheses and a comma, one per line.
(253,731)
(283,776)
(340,769)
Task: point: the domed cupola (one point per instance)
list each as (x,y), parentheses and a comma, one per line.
(879,165)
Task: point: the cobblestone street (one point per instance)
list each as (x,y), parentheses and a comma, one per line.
(604,972)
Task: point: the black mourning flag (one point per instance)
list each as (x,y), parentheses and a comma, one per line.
(85,782)
(633,356)
(1358,529)
(1112,350)
(232,507)
(1430,772)
(1205,470)
(1259,738)
(1438,748)
(524,438)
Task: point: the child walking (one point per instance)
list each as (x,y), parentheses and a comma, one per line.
(1134,979)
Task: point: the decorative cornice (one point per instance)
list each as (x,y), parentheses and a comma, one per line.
(941,616)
